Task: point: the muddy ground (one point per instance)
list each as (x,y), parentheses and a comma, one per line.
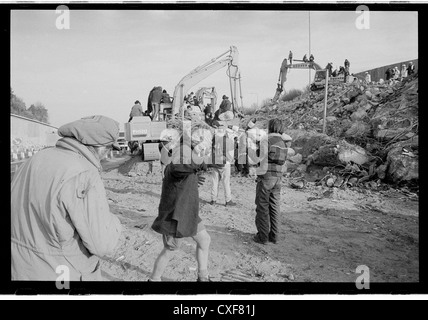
(325,234)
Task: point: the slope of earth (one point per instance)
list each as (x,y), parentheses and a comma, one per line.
(326,233)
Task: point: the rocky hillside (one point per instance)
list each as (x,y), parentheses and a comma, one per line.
(371,133)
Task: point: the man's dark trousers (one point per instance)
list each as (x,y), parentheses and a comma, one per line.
(268,197)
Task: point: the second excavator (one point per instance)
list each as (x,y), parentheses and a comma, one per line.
(305,63)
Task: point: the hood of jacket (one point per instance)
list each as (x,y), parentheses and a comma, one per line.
(75,146)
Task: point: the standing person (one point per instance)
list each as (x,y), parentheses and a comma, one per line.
(268,190)
(290,57)
(368,78)
(410,68)
(166,98)
(224,110)
(60,215)
(155,99)
(403,72)
(329,67)
(388,74)
(347,64)
(136,111)
(397,71)
(223,154)
(208,111)
(178,216)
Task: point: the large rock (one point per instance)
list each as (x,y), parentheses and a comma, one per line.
(402,167)
(359,114)
(296,158)
(290,153)
(352,153)
(307,142)
(358,129)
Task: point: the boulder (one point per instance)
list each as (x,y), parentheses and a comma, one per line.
(291,166)
(346,100)
(290,153)
(402,167)
(296,158)
(302,168)
(359,114)
(381,171)
(369,95)
(358,129)
(326,155)
(388,134)
(352,153)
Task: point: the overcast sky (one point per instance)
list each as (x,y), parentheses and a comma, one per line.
(108,59)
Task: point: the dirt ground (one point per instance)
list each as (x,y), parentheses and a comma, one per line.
(325,234)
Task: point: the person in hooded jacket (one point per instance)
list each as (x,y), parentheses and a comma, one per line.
(60,216)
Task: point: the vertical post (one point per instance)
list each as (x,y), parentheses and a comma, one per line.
(182,101)
(231,91)
(240,90)
(325,101)
(309,45)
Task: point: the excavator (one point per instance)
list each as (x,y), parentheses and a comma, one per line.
(147,133)
(207,95)
(319,79)
(227,59)
(285,66)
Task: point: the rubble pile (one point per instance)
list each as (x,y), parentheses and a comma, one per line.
(371,133)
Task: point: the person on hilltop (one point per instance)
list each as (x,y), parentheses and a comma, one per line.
(65,221)
(410,68)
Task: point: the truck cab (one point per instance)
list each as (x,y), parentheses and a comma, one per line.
(147,133)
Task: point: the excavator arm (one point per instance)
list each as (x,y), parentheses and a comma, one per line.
(285,66)
(227,59)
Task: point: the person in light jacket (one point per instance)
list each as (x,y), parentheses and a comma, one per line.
(60,217)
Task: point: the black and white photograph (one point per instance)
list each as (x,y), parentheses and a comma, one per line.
(269,145)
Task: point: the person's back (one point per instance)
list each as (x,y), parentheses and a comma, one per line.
(165,97)
(225,105)
(157,95)
(49,225)
(136,111)
(388,73)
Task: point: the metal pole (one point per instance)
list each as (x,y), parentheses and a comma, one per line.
(231,91)
(240,91)
(325,101)
(309,45)
(182,100)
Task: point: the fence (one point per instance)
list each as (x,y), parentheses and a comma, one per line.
(29,136)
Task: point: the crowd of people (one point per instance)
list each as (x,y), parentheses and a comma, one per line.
(67,221)
(394,74)
(156,97)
